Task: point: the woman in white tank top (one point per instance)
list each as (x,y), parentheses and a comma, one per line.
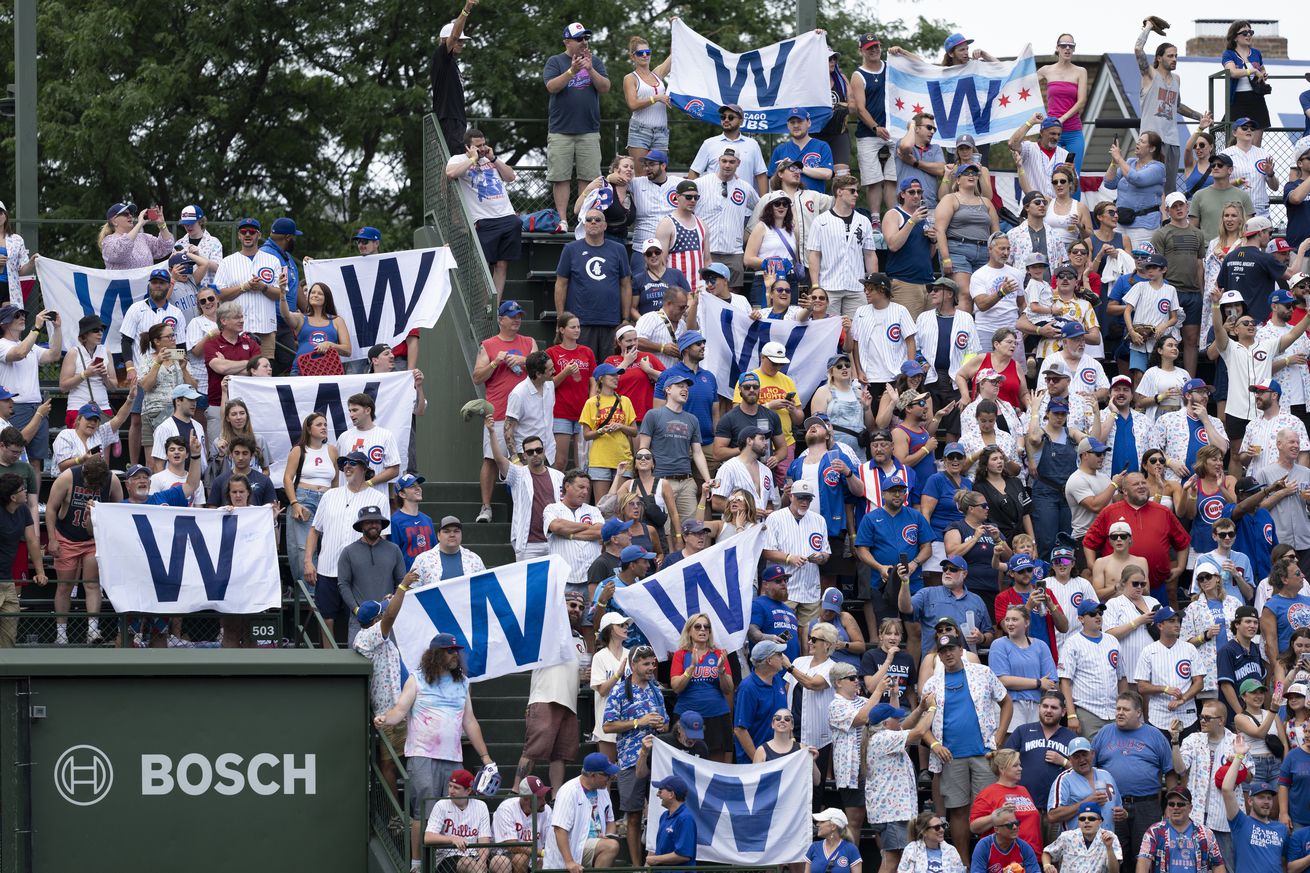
(1066,215)
(86,373)
(311,470)
(647,99)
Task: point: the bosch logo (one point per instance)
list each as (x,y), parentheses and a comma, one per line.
(831,477)
(1163,306)
(695,107)
(376,454)
(265,275)
(811,159)
(738,196)
(1114,658)
(1088,376)
(1212,510)
(911,535)
(1260,355)
(1268,531)
(1298,615)
(671,198)
(961,340)
(817,541)
(1184,670)
(83,775)
(894,332)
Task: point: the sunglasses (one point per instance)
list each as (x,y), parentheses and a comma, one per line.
(1209,717)
(983,505)
(1121,536)
(1065,45)
(782,718)
(690,196)
(1246,322)
(1226,535)
(1037,201)
(1177,804)
(1058,181)
(1159,461)
(1083,818)
(1009,825)
(654,254)
(248,230)
(919,403)
(783,204)
(1246,127)
(851,678)
(1110,212)
(1246,33)
(777,290)
(937,826)
(642,53)
(929,127)
(1139,584)
(645,456)
(536,451)
(591,220)
(700,627)
(203,300)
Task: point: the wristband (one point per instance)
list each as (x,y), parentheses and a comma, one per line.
(934,746)
(634,724)
(402,587)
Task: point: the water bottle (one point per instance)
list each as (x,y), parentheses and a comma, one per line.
(969,626)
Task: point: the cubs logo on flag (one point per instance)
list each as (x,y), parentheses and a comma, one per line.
(695,108)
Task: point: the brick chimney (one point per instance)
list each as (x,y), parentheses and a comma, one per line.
(1210,38)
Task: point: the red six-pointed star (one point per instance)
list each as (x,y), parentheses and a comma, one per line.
(917,108)
(1004,100)
(900,104)
(1024,94)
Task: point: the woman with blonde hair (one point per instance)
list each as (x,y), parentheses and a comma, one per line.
(846,402)
(612,195)
(647,99)
(1005,792)
(1026,670)
(837,847)
(738,516)
(1204,496)
(1232,221)
(122,243)
(632,509)
(162,370)
(607,667)
(928,851)
(1066,216)
(236,422)
(700,675)
(813,673)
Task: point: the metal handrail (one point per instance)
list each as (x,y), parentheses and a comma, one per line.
(501,797)
(299,590)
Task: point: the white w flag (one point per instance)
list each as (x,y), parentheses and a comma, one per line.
(75,292)
(383,297)
(767,83)
(985,99)
(508,619)
(733,342)
(167,559)
(745,813)
(278,408)
(719,582)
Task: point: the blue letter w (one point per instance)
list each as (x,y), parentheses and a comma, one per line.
(118,295)
(948,122)
(695,581)
(485,593)
(750,827)
(187,536)
(730,85)
(368,314)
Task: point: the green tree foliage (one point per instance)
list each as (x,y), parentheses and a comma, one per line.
(312,110)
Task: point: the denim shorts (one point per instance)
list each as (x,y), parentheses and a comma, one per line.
(600,474)
(566,425)
(644,136)
(966,257)
(1190,301)
(1138,360)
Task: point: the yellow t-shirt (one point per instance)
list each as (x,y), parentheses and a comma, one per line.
(608,449)
(775,387)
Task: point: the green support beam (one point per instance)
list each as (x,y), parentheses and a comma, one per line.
(26,209)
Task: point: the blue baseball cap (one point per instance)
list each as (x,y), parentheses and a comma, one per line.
(884,711)
(912,368)
(634,553)
(748,376)
(1273,385)
(185,390)
(1080,744)
(1238,122)
(445,641)
(161,274)
(191,214)
(966,168)
(1261,788)
(118,209)
(715,271)
(183,259)
(774,572)
(409,480)
(6,394)
(833,598)
(1051,121)
(509,309)
(689,339)
(1073,329)
(249,222)
(604,370)
(677,379)
(954,449)
(576,30)
(596,762)
(90,410)
(612,528)
(1282,295)
(1087,607)
(1091,444)
(656,156)
(955,561)
(285,226)
(1195,385)
(1057,404)
(1163,614)
(368,612)
(798,112)
(1018,563)
(906,184)
(372,234)
(1090,807)
(953,40)
(693,724)
(675,784)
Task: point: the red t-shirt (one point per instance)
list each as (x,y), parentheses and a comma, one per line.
(1155,530)
(996,795)
(402,350)
(245,348)
(635,385)
(503,379)
(572,392)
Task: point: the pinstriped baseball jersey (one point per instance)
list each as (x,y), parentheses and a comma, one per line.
(841,247)
(807,535)
(1172,666)
(1094,668)
(236,268)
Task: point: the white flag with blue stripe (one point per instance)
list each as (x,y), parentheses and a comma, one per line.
(767,83)
(986,99)
(75,291)
(508,619)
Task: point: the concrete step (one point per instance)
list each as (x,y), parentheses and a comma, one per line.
(465,510)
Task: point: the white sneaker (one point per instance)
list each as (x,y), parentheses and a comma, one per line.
(61,637)
(93,636)
(484,515)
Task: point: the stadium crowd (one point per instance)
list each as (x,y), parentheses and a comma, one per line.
(1033,586)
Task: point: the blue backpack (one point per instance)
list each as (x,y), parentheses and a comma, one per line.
(541,221)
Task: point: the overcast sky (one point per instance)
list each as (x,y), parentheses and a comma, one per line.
(1041,21)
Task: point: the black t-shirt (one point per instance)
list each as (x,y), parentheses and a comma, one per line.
(448,97)
(602,568)
(735,421)
(902,669)
(262,491)
(1255,273)
(13,528)
(698,747)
